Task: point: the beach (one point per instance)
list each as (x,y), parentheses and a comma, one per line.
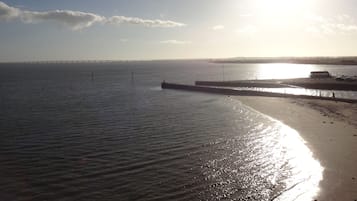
(330,131)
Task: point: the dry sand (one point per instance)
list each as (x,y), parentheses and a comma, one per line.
(330,130)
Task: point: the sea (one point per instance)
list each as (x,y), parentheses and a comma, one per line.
(107,131)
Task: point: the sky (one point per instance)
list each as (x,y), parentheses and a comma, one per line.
(48,30)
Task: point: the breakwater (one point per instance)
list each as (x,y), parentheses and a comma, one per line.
(234,92)
(307,83)
(242,84)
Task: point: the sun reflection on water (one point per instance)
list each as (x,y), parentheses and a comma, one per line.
(284,71)
(269,162)
(306,172)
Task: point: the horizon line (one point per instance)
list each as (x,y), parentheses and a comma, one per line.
(176,59)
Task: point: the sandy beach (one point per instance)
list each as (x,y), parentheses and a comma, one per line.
(330,131)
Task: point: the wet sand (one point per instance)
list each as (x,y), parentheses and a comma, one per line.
(330,131)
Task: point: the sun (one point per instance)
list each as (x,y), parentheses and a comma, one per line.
(283,12)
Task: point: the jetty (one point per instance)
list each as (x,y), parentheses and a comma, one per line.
(326,83)
(236,92)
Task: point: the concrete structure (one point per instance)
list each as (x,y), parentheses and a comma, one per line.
(320,74)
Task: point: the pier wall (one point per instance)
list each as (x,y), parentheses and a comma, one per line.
(233,92)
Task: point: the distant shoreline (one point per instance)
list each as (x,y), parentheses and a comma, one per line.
(348,60)
(292,60)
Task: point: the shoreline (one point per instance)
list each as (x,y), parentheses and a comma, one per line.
(330,131)
(327,125)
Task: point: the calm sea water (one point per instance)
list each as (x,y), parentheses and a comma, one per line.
(68,135)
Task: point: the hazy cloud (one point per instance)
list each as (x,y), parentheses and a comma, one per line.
(175,42)
(218,27)
(145,22)
(249,29)
(334,25)
(73,19)
(78,20)
(7,12)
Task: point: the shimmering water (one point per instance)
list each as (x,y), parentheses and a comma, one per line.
(68,135)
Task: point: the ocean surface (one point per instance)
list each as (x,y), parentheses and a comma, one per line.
(107,131)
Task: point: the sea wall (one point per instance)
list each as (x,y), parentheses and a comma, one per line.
(227,91)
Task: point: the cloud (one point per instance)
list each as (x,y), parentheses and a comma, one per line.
(77,20)
(342,24)
(346,27)
(145,22)
(249,29)
(7,12)
(218,27)
(73,19)
(175,42)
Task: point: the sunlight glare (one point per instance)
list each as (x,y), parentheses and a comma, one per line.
(285,6)
(284,71)
(306,170)
(284,11)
